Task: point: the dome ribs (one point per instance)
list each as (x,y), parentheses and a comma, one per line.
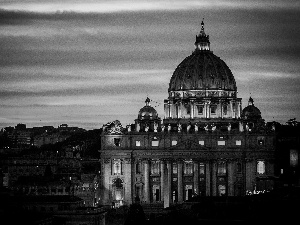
(202,70)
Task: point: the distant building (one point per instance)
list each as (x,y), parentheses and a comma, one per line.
(206,145)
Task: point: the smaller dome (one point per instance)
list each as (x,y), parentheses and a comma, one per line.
(251,112)
(147,112)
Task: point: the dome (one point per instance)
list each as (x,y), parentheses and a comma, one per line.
(251,112)
(202,70)
(147,112)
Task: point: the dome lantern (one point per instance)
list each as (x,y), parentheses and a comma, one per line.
(202,40)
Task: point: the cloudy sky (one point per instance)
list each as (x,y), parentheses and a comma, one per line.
(89,62)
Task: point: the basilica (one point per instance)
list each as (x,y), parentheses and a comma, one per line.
(207,144)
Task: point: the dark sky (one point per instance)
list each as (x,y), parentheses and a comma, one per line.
(86,63)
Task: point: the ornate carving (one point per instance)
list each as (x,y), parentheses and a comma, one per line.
(128,160)
(107,160)
(114,127)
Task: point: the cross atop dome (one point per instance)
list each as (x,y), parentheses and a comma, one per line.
(147,101)
(202,40)
(251,101)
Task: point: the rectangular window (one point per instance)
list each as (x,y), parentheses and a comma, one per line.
(155,143)
(225,110)
(201,142)
(174,168)
(138,168)
(188,167)
(137,143)
(200,109)
(261,167)
(117,167)
(238,142)
(117,141)
(221,142)
(239,167)
(188,109)
(174,142)
(221,168)
(260,140)
(201,169)
(293,158)
(213,109)
(155,167)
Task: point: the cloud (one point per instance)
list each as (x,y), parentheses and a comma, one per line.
(142,5)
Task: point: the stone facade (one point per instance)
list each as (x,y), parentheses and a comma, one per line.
(206,144)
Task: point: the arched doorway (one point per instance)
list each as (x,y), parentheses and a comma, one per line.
(118,192)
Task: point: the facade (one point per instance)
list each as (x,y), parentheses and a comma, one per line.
(206,145)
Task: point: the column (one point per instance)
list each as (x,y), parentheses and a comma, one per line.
(180,183)
(180,110)
(162,180)
(169,110)
(127,181)
(107,172)
(208,178)
(214,178)
(166,108)
(147,183)
(205,110)
(168,185)
(196,178)
(230,164)
(192,109)
(250,174)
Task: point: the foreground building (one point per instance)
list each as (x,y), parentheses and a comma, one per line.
(206,145)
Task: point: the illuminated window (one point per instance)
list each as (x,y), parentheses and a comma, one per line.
(200,109)
(221,142)
(221,168)
(188,167)
(222,190)
(117,167)
(293,158)
(201,142)
(154,143)
(238,142)
(174,167)
(213,109)
(137,143)
(261,168)
(260,140)
(174,142)
(201,168)
(155,167)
